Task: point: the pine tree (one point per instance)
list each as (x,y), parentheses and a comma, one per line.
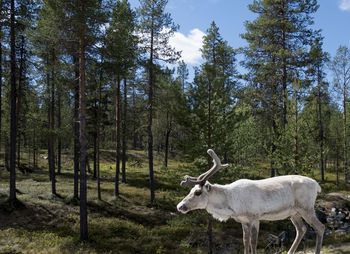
(319,60)
(212,96)
(183,73)
(121,50)
(155,29)
(13,128)
(78,23)
(45,41)
(212,91)
(279,40)
(3,7)
(340,67)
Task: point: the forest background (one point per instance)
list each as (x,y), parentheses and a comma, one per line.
(90,89)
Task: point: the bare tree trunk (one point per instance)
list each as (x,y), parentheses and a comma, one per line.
(59,123)
(134,117)
(296,130)
(1,63)
(345,135)
(95,156)
(117,132)
(13,121)
(83,145)
(209,122)
(124,131)
(48,125)
(98,138)
(76,128)
(209,228)
(95,136)
(19,97)
(320,123)
(284,70)
(150,120)
(52,128)
(7,153)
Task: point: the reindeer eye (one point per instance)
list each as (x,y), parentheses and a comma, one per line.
(197,193)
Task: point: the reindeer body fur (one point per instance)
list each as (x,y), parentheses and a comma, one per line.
(249,201)
(270,199)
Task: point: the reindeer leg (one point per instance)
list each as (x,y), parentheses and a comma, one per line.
(301,230)
(254,232)
(246,237)
(310,217)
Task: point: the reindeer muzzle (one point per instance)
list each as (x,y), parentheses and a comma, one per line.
(182,208)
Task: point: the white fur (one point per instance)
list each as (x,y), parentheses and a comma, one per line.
(249,201)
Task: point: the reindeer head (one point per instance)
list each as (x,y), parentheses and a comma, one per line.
(198,196)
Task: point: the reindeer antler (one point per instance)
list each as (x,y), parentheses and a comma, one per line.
(189,180)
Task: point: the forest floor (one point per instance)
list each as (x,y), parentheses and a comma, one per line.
(331,249)
(46,223)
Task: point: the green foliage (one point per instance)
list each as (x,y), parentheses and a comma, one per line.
(121,42)
(155,28)
(212,94)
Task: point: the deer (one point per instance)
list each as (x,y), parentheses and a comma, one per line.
(250,201)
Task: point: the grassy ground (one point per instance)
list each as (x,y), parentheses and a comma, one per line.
(43,223)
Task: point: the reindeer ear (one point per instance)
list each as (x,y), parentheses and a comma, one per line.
(207,186)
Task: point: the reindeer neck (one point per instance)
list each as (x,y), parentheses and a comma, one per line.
(218,203)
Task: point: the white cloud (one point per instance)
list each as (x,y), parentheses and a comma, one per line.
(190,45)
(344,5)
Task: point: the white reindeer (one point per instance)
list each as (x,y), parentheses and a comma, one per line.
(249,201)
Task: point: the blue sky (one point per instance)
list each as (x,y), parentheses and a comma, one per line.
(195,16)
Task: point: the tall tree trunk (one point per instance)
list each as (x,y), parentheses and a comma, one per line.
(95,145)
(296,130)
(284,70)
(273,147)
(134,118)
(209,122)
(345,133)
(1,63)
(59,123)
(124,131)
(52,126)
(48,125)
(95,134)
(98,168)
(7,153)
(320,123)
(117,133)
(98,137)
(13,121)
(19,98)
(76,127)
(83,145)
(150,119)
